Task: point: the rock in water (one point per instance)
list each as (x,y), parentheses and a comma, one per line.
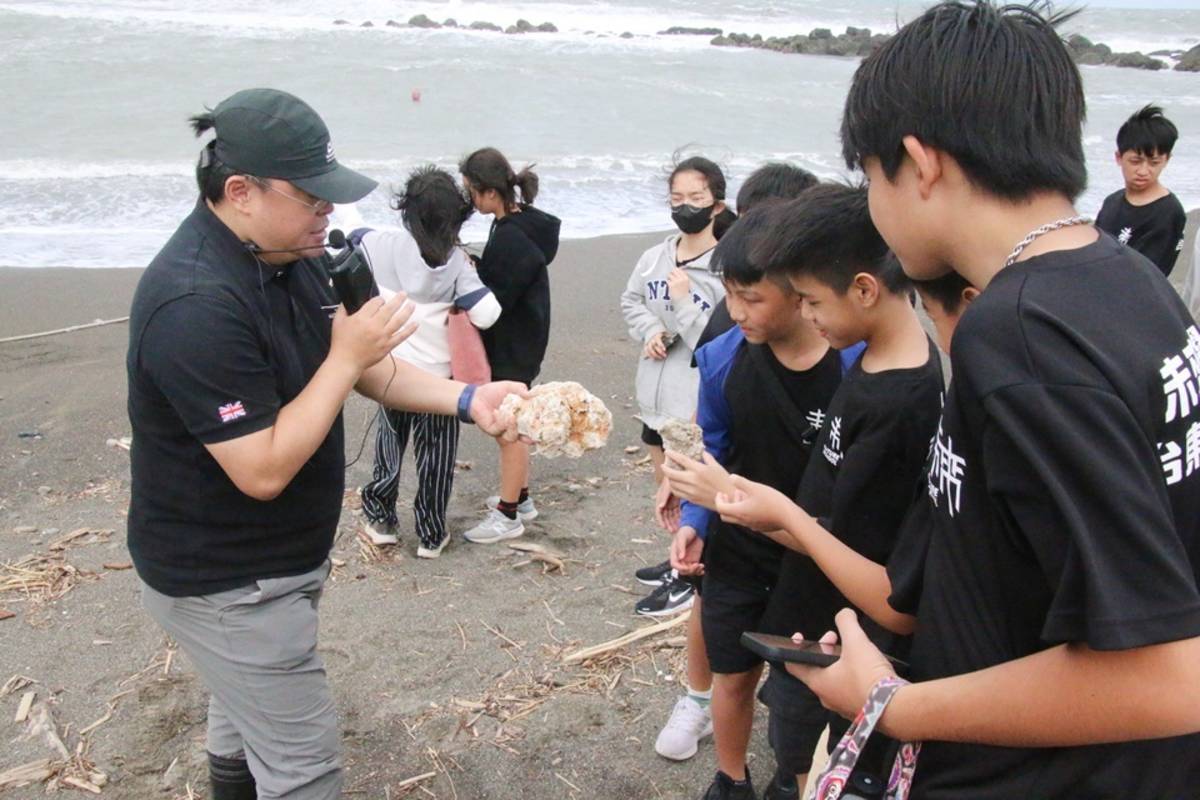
(422,21)
(1190,62)
(561,419)
(682,30)
(1136,61)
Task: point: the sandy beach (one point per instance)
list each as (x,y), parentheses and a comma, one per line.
(449,674)
(453,666)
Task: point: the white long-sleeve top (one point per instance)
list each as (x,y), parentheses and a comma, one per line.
(396,262)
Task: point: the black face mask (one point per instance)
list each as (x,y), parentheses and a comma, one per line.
(691,219)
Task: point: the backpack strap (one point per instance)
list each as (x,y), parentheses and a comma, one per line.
(793,417)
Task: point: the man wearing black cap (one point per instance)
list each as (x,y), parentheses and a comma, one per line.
(238,369)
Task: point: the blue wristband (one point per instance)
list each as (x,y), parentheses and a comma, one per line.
(464,403)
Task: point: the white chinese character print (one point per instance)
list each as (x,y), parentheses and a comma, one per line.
(1179,386)
(949,467)
(1125,235)
(1191,448)
(815,418)
(1191,350)
(1171,457)
(833,448)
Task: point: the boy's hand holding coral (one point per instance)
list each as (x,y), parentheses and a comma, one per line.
(697,481)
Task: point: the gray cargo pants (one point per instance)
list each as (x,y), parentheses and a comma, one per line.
(255,648)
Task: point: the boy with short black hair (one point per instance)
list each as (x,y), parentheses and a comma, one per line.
(1145,215)
(765,386)
(691,718)
(770,183)
(945,299)
(1058,647)
(865,583)
(870,453)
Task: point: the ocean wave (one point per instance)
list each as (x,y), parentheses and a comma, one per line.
(118,214)
(575,21)
(42,169)
(58,213)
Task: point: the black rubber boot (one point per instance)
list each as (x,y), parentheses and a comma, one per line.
(231,779)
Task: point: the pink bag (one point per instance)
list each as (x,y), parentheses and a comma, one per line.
(468,359)
(831,783)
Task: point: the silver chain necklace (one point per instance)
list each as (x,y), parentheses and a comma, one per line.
(1049,227)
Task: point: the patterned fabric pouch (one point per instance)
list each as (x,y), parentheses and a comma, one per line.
(832,782)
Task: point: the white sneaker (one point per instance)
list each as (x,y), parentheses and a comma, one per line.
(680,737)
(432,552)
(527,511)
(494,528)
(380,533)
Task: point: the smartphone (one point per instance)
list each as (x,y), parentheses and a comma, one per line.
(782,648)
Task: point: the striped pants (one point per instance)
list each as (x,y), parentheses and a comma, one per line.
(435,445)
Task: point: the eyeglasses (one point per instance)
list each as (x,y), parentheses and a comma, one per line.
(317,207)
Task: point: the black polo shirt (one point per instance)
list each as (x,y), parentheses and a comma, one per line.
(218,343)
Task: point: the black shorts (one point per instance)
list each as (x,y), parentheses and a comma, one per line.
(796,721)
(650,436)
(729,611)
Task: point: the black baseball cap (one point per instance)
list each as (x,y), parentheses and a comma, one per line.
(272,134)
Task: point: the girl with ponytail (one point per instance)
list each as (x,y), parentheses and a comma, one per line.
(522,242)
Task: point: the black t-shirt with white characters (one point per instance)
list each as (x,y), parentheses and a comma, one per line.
(1155,230)
(765,449)
(1064,507)
(862,476)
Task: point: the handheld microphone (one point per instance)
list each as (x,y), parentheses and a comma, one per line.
(350,273)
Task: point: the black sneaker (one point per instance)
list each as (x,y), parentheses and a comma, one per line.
(653,576)
(782,787)
(671,597)
(724,787)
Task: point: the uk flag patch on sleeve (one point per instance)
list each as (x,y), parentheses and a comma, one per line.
(231,411)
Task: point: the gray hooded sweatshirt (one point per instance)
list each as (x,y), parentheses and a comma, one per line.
(668,388)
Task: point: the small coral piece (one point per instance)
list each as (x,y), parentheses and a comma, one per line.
(561,419)
(682,437)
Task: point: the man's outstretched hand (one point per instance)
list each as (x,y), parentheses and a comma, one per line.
(485,409)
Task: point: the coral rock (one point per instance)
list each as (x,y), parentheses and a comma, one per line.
(561,419)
